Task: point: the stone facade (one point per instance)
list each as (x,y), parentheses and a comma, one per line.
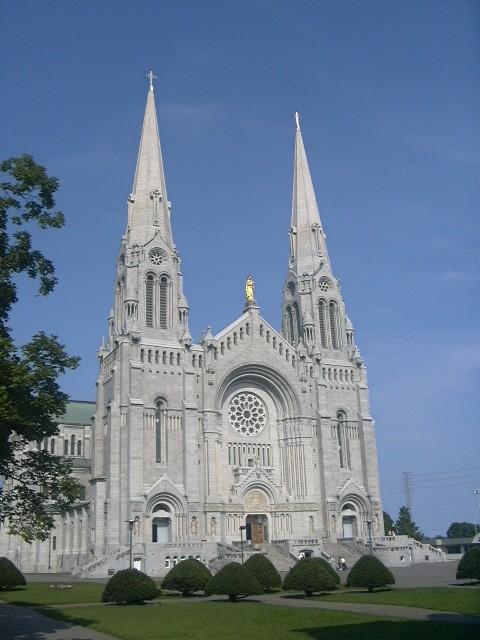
(251,426)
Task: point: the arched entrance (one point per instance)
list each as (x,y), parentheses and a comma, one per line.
(258,524)
(349,521)
(161,524)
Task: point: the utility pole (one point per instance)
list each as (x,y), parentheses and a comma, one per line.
(408,489)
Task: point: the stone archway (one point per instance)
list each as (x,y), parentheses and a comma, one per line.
(161,524)
(257,506)
(258,524)
(349,521)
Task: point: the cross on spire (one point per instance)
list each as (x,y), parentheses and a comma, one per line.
(151,77)
(297,120)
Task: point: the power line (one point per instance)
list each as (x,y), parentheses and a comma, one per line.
(439,473)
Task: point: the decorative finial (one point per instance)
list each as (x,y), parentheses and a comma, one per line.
(151,77)
(297,120)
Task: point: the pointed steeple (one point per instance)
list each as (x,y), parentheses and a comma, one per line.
(308,248)
(149,209)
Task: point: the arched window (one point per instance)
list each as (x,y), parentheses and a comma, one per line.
(322,313)
(149,299)
(297,326)
(79,447)
(290,329)
(159,430)
(342,440)
(72,445)
(65,447)
(340,420)
(52,446)
(332,309)
(163,315)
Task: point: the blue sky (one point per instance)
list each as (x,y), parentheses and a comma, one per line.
(389,100)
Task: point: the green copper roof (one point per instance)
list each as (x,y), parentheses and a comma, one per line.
(78,412)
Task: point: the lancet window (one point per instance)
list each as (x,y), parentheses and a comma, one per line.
(342,440)
(163,303)
(160,407)
(149,299)
(156,301)
(322,312)
(333,317)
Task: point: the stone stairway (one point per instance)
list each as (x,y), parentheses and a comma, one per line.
(283,562)
(337,549)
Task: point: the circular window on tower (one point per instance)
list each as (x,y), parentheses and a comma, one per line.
(324,284)
(157,256)
(247,414)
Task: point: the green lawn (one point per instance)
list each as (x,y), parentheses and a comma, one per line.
(40,593)
(460,600)
(247,620)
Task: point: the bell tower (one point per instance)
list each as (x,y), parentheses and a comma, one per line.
(149,297)
(313,310)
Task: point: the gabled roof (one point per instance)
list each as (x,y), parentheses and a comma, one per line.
(78,412)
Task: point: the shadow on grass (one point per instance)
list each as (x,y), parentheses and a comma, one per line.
(391,630)
(326,594)
(56,614)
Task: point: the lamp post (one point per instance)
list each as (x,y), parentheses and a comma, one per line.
(131,523)
(477,493)
(50,550)
(242,529)
(369,527)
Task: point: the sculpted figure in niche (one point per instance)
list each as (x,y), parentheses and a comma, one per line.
(194,526)
(213,526)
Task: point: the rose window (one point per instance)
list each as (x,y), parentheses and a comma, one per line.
(156,257)
(323,285)
(247,414)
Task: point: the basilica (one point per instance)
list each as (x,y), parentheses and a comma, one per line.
(252,432)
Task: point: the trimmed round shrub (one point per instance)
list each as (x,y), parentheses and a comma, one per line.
(369,572)
(187,577)
(309,576)
(233,581)
(10,576)
(469,565)
(264,571)
(328,567)
(129,586)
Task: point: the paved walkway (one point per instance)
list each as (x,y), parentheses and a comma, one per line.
(23,623)
(382,610)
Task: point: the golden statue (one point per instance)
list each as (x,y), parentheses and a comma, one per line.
(249,290)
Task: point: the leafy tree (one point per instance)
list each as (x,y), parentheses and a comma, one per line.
(264,571)
(405,526)
(309,576)
(369,572)
(388,523)
(469,565)
(461,530)
(328,568)
(234,581)
(187,577)
(10,576)
(129,586)
(36,484)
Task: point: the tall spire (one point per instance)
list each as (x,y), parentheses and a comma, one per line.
(307,244)
(149,207)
